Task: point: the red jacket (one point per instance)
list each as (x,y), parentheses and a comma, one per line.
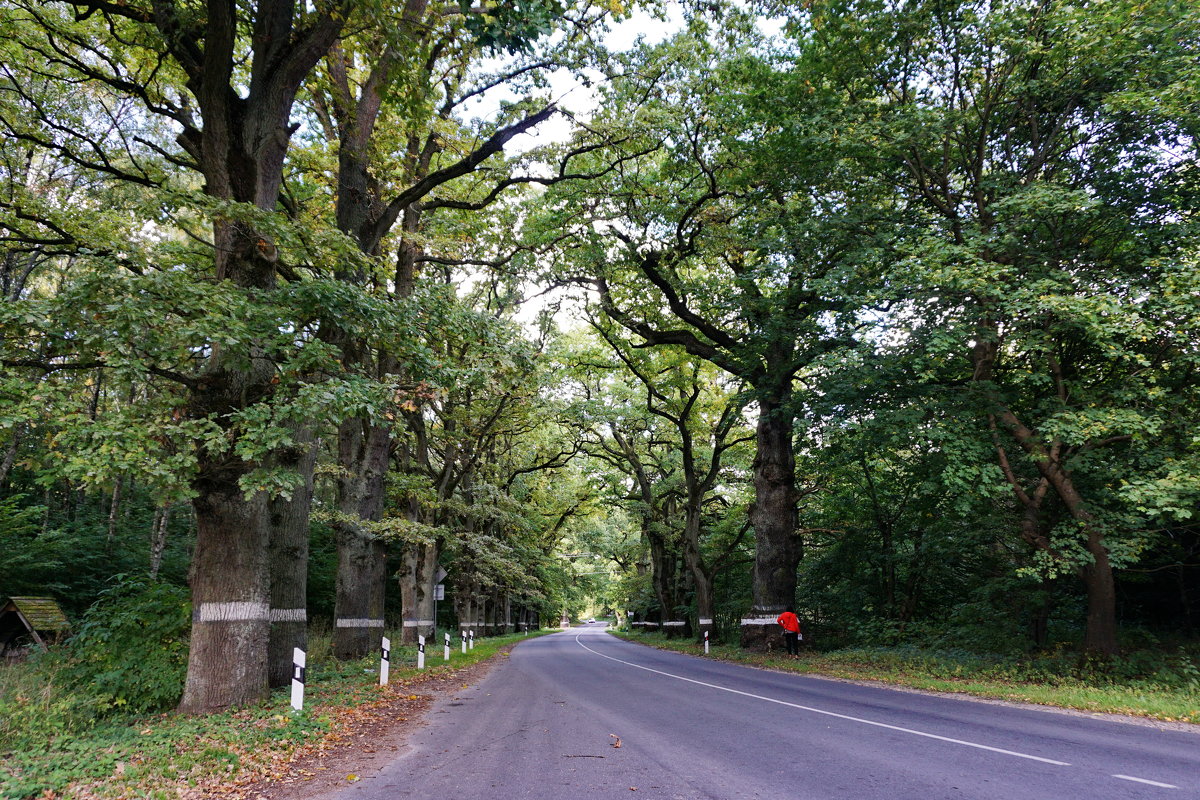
(789,621)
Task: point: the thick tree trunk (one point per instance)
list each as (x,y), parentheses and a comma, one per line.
(419,567)
(227,661)
(362,570)
(1100,635)
(363,451)
(777,547)
(288,557)
(464,607)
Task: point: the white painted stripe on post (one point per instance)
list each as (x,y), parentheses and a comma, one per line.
(289,615)
(1148,783)
(827,713)
(360,623)
(234,612)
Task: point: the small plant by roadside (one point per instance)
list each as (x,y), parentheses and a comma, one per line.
(1155,685)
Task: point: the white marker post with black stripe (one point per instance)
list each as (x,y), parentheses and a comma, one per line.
(446,652)
(298,661)
(385,661)
(464,642)
(706,643)
(472,638)
(420,652)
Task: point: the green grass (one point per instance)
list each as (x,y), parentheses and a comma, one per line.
(1170,693)
(54,745)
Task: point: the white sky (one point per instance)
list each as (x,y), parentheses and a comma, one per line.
(568,92)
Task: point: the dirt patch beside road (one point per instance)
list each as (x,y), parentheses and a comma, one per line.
(366,740)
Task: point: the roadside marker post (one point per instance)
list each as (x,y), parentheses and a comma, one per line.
(385,661)
(472,639)
(298,662)
(446,652)
(420,652)
(706,643)
(464,641)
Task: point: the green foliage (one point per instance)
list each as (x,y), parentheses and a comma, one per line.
(33,561)
(130,652)
(511,26)
(38,704)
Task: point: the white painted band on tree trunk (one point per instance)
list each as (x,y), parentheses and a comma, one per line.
(759,621)
(705,621)
(289,615)
(674,622)
(360,623)
(234,612)
(416,623)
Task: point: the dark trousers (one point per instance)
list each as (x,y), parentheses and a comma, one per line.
(789,640)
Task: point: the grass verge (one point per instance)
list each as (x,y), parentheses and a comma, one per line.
(968,674)
(169,755)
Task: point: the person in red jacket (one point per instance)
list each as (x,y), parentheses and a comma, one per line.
(791,630)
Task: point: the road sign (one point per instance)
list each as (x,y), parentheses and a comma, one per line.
(439,592)
(441,575)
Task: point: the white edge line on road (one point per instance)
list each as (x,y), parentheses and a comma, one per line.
(832,713)
(1149,783)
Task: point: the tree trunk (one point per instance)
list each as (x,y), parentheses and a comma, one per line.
(113,507)
(227,661)
(701,579)
(1100,634)
(777,547)
(287,551)
(10,455)
(416,591)
(158,538)
(363,451)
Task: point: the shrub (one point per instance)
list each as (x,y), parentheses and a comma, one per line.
(132,646)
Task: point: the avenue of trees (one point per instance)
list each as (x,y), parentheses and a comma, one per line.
(885,310)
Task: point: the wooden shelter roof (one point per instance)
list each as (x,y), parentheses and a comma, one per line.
(42,613)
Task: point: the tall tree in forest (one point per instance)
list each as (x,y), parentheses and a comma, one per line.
(734,241)
(224,78)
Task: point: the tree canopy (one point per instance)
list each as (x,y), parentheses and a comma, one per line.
(884,310)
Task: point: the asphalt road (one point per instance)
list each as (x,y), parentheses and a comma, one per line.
(543,724)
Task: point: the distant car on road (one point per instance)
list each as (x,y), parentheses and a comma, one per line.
(592,621)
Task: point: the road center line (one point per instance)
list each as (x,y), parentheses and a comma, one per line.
(1143,780)
(832,713)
